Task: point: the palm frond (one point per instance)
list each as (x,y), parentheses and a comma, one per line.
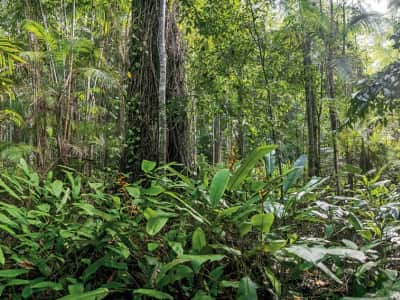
(105,78)
(367,20)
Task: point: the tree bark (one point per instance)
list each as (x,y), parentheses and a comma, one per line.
(311,111)
(331,94)
(162,88)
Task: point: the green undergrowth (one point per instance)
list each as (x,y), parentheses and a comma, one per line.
(227,234)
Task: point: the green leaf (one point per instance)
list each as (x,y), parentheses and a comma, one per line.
(263,222)
(76,289)
(248,164)
(198,239)
(218,186)
(247,289)
(244,228)
(8,190)
(355,222)
(295,173)
(133,191)
(154,225)
(2,258)
(12,273)
(198,260)
(274,281)
(99,294)
(153,294)
(57,188)
(48,285)
(148,166)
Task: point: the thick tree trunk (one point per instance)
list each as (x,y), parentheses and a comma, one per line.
(142,95)
(180,146)
(144,116)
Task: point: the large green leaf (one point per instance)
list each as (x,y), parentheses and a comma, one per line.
(247,289)
(198,239)
(295,173)
(154,225)
(148,166)
(218,186)
(248,164)
(263,222)
(12,273)
(153,294)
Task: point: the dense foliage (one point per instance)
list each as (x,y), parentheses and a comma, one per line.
(194,149)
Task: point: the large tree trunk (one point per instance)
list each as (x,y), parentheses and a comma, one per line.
(311,111)
(179,125)
(143,122)
(142,95)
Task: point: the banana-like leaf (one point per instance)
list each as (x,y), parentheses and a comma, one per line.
(248,164)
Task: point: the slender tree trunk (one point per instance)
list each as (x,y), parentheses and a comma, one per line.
(331,95)
(162,88)
(311,111)
(39,104)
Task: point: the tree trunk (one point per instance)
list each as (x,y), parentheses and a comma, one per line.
(179,125)
(144,112)
(311,111)
(162,88)
(331,95)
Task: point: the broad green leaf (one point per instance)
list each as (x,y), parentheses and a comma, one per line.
(154,225)
(76,289)
(247,165)
(198,239)
(263,222)
(57,188)
(133,191)
(244,228)
(198,260)
(202,296)
(247,289)
(12,273)
(148,166)
(218,186)
(355,221)
(154,190)
(153,294)
(97,294)
(295,173)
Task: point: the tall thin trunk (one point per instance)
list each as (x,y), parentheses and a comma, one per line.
(162,88)
(331,94)
(311,111)
(39,105)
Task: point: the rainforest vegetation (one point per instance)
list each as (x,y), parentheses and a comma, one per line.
(199,149)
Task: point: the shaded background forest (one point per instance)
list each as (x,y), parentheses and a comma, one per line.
(81,83)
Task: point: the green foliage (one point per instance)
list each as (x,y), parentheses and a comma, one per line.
(73,240)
